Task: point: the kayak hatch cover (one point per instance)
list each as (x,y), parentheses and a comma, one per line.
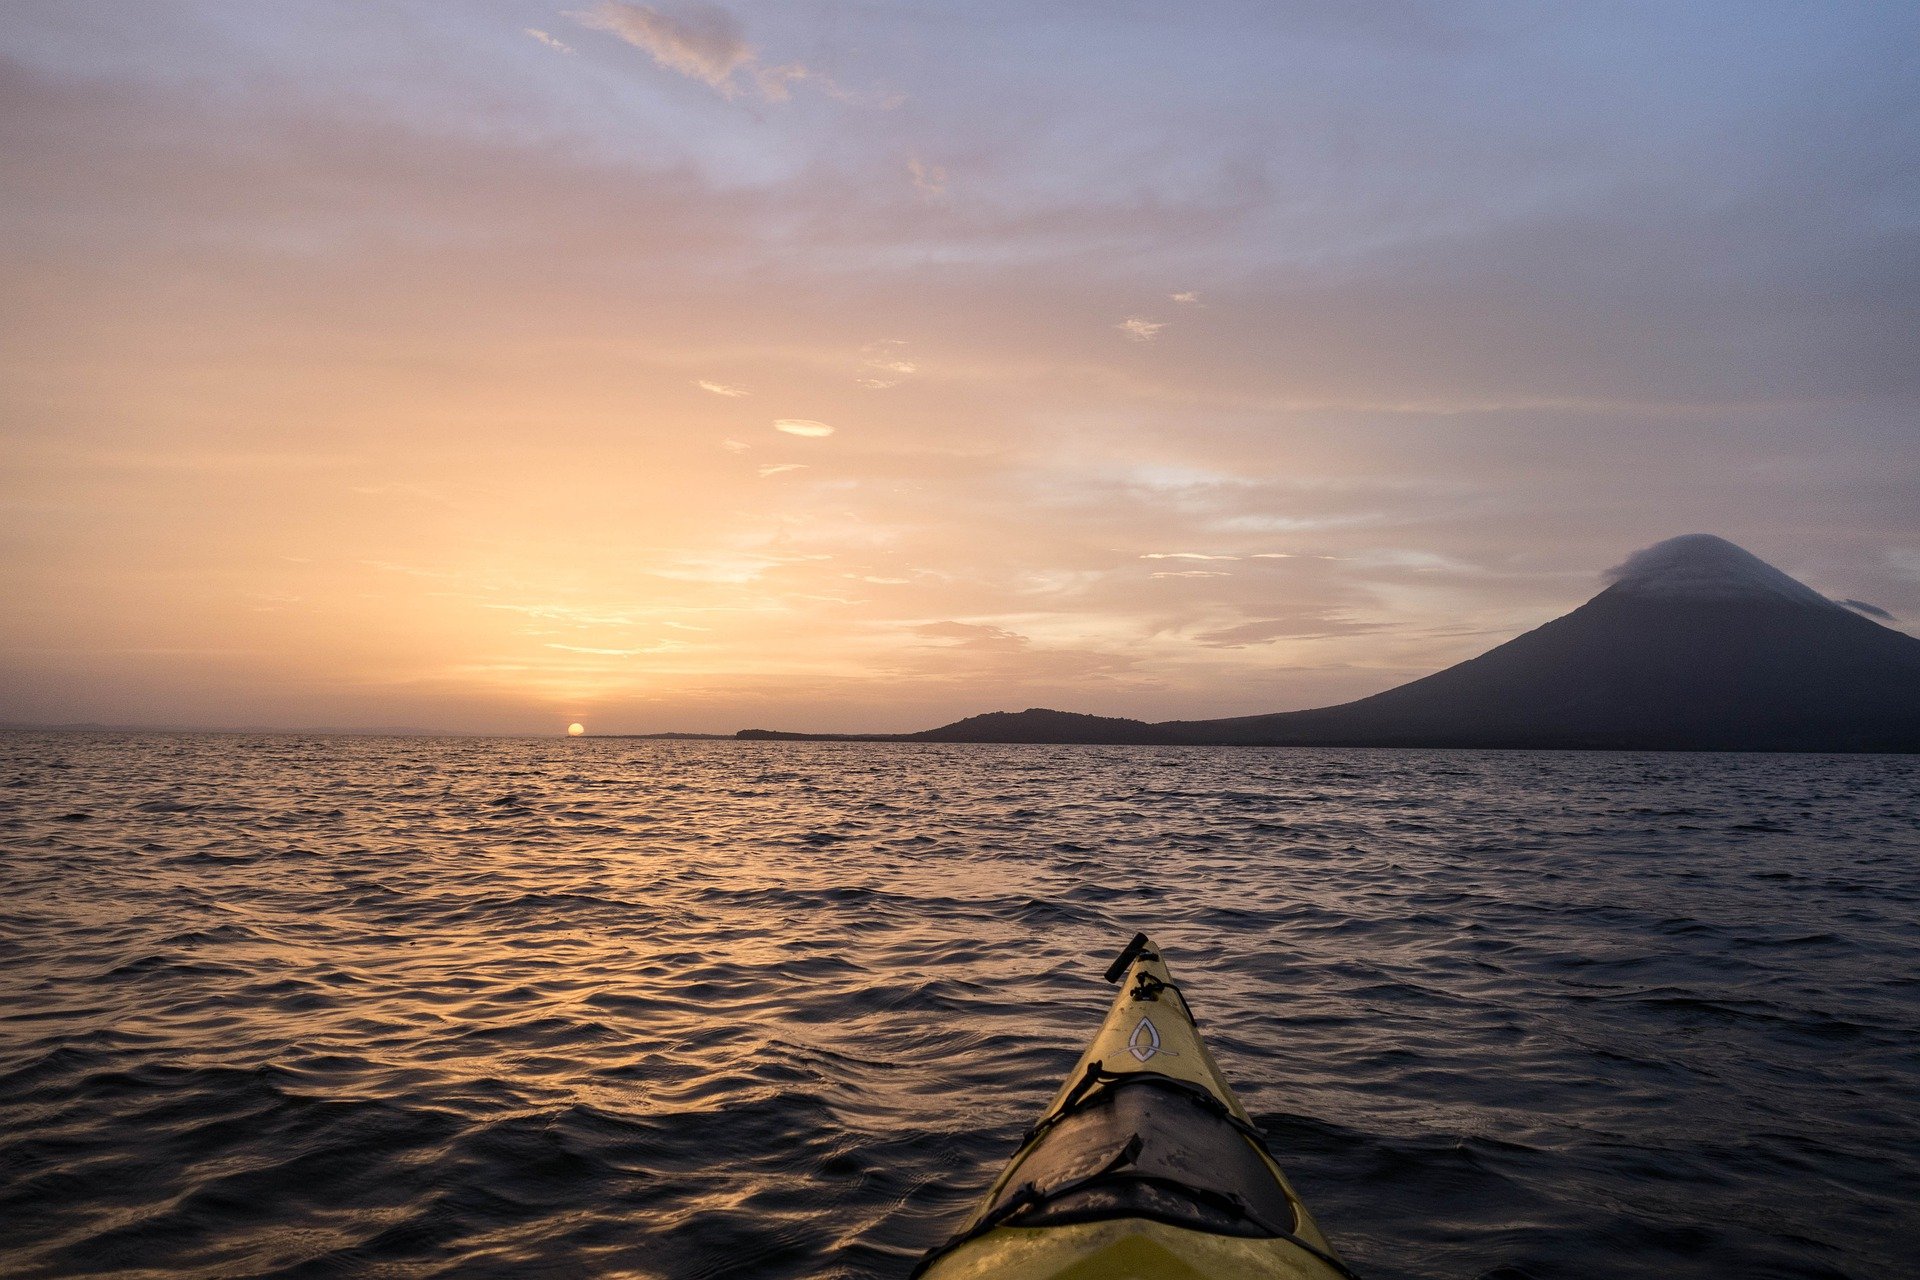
(1145,1167)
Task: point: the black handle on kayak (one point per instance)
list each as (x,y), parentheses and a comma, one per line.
(1118,968)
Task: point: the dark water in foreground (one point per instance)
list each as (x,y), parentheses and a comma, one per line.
(403,1007)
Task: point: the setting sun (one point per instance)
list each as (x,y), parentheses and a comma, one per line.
(575,729)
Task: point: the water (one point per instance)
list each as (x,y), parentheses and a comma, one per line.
(407,1007)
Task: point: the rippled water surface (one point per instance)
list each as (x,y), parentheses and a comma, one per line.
(406,1007)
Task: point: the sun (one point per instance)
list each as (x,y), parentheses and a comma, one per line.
(575,729)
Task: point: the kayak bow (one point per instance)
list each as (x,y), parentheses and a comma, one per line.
(1145,1167)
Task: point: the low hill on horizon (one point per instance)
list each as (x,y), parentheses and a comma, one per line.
(1696,645)
(1039,724)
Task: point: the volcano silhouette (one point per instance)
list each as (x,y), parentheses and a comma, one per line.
(1696,645)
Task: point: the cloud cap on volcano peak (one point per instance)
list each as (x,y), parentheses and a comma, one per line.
(1704,567)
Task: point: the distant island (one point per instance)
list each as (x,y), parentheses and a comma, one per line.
(672,737)
(1697,645)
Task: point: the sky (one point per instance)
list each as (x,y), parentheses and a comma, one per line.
(486,367)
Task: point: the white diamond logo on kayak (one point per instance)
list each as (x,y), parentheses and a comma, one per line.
(1145,1040)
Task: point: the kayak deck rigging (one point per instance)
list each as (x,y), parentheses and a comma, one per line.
(1144,1167)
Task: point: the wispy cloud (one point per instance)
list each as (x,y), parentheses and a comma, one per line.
(705,42)
(700,41)
(1184,555)
(735,446)
(928,179)
(781,468)
(1267,630)
(889,368)
(1189,298)
(663,646)
(1190,573)
(729,567)
(552,42)
(973,635)
(775,83)
(1141,329)
(721,388)
(805,427)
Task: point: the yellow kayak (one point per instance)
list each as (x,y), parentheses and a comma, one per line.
(1145,1167)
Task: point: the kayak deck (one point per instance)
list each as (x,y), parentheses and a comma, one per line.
(1144,1166)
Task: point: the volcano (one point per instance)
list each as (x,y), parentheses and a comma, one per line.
(1696,645)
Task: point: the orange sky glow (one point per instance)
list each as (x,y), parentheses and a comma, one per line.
(492,369)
